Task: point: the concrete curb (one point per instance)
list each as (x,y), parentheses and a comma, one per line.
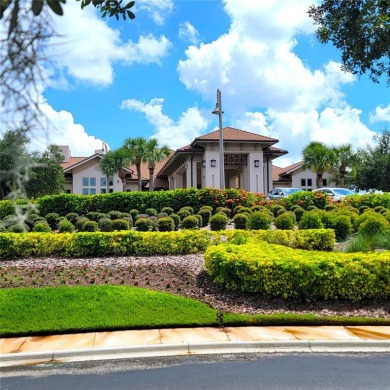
(128,352)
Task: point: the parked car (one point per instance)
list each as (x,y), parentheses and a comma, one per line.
(336,193)
(281,192)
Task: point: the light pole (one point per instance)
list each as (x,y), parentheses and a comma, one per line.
(218,111)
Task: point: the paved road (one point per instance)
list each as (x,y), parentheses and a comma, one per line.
(210,372)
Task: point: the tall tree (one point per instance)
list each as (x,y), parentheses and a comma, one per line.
(360,29)
(319,158)
(115,161)
(373,171)
(345,158)
(46,175)
(138,149)
(155,155)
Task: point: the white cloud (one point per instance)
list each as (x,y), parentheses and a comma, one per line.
(87,47)
(62,130)
(173,133)
(158,9)
(382,114)
(188,33)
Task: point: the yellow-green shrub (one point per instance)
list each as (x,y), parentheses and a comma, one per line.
(279,271)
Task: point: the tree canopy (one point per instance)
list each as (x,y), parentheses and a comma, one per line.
(361,30)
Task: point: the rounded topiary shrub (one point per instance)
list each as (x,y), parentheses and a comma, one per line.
(224,210)
(183,213)
(72,217)
(95,216)
(206,207)
(18,228)
(259,220)
(311,208)
(342,227)
(200,219)
(66,226)
(105,224)
(243,209)
(190,222)
(354,218)
(256,208)
(90,226)
(373,225)
(80,222)
(165,224)
(115,214)
(275,208)
(362,209)
(280,211)
(378,209)
(176,220)
(167,210)
(330,207)
(41,227)
(240,220)
(310,220)
(2,227)
(162,215)
(151,211)
(218,221)
(144,224)
(134,213)
(189,208)
(298,211)
(120,224)
(52,220)
(328,218)
(205,214)
(285,221)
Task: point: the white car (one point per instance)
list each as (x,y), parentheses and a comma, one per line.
(336,193)
(281,192)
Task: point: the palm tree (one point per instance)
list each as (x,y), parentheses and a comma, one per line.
(344,158)
(319,158)
(138,151)
(155,155)
(113,162)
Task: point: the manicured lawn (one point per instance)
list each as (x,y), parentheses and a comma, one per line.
(25,311)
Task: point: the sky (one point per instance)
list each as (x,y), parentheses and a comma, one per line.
(158,75)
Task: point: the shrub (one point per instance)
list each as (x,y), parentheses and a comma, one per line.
(280,211)
(142,216)
(205,214)
(298,211)
(183,213)
(259,221)
(105,225)
(190,222)
(72,217)
(167,210)
(66,226)
(351,215)
(362,209)
(327,218)
(95,216)
(330,207)
(205,207)
(240,220)
(144,224)
(373,225)
(224,210)
(256,208)
(129,220)
(165,224)
(2,227)
(114,214)
(378,209)
(90,226)
(285,221)
(151,211)
(120,224)
(80,222)
(311,208)
(134,213)
(200,219)
(189,208)
(162,215)
(41,227)
(176,220)
(52,220)
(342,226)
(18,228)
(218,221)
(310,220)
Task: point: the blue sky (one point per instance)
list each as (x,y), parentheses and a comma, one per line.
(157,76)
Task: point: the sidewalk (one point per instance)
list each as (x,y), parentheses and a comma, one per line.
(184,341)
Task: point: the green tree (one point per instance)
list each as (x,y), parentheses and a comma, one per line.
(345,158)
(360,29)
(373,170)
(13,154)
(319,158)
(46,175)
(155,155)
(115,161)
(138,149)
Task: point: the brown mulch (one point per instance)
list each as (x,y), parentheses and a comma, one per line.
(181,275)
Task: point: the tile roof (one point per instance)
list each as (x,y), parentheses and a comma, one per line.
(232,134)
(278,171)
(72,161)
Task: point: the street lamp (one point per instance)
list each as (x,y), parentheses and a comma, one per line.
(218,111)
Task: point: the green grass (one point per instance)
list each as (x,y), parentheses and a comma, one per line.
(365,243)
(26,311)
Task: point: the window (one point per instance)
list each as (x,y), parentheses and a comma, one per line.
(103,182)
(85,191)
(89,185)
(92,191)
(85,181)
(324,182)
(309,182)
(92,181)
(303,182)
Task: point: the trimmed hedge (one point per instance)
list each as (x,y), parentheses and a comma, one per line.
(278,271)
(14,245)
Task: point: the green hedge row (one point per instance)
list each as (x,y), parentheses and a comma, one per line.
(123,243)
(279,271)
